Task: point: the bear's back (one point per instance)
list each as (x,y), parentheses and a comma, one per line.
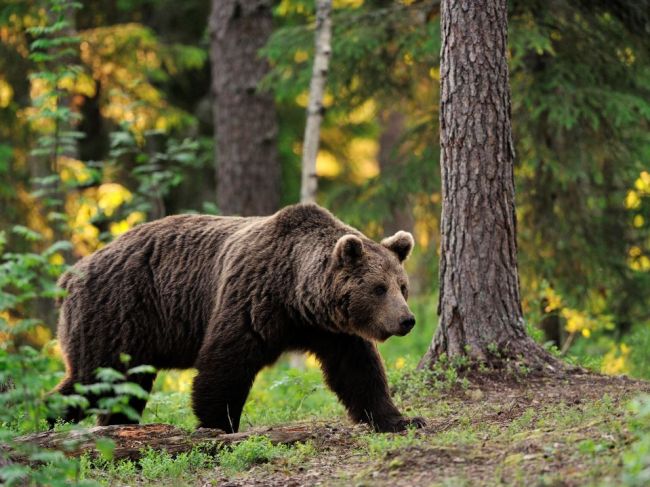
(154,284)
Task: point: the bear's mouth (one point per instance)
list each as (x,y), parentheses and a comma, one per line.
(382,335)
(373,334)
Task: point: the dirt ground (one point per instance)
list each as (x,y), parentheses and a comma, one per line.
(534,431)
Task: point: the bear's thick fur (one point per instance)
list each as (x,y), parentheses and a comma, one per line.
(228,295)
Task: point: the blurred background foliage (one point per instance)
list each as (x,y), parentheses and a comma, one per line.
(105,122)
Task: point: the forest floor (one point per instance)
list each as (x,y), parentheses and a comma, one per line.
(575,430)
(531,431)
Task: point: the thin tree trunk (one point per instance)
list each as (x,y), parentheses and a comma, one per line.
(315,110)
(322,53)
(479,307)
(248,167)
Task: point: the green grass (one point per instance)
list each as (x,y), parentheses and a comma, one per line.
(170,407)
(282,394)
(183,469)
(379,445)
(258,450)
(151,468)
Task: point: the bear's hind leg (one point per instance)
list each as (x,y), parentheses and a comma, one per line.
(227,370)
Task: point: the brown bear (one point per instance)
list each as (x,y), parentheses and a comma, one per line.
(228,296)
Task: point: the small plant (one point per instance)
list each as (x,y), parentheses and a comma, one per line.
(448,373)
(170,407)
(493,349)
(253,451)
(115,390)
(157,172)
(282,394)
(522,422)
(640,351)
(153,465)
(107,471)
(636,460)
(380,445)
(26,374)
(258,450)
(157,465)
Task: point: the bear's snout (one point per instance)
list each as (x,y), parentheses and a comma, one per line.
(406,324)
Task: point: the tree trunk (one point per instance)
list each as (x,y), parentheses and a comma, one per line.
(400,216)
(248,167)
(479,307)
(315,109)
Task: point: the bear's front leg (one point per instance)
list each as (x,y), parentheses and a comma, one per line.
(353,370)
(227,367)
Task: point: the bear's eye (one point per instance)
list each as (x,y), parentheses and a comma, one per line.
(379,290)
(404,290)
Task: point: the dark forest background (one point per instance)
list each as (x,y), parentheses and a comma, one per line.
(106,121)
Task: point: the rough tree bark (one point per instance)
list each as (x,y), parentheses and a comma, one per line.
(248,166)
(322,53)
(479,305)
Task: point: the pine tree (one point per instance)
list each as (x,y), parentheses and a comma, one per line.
(480,309)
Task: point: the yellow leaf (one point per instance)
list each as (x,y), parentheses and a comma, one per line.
(347,3)
(638,221)
(632,200)
(364,152)
(327,165)
(554,300)
(300,56)
(363,113)
(111,196)
(6,93)
(56,259)
(303,99)
(616,360)
(634,251)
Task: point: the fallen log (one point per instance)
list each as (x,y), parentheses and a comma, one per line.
(131,440)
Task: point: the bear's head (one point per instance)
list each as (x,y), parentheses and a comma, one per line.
(373,286)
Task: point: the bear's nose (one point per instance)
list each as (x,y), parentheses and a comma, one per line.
(407,324)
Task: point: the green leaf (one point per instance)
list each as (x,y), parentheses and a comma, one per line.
(142,369)
(105,447)
(13,474)
(27,233)
(131,389)
(106,374)
(60,246)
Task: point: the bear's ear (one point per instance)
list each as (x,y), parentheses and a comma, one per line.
(348,249)
(401,243)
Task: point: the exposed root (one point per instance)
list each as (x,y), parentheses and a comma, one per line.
(522,356)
